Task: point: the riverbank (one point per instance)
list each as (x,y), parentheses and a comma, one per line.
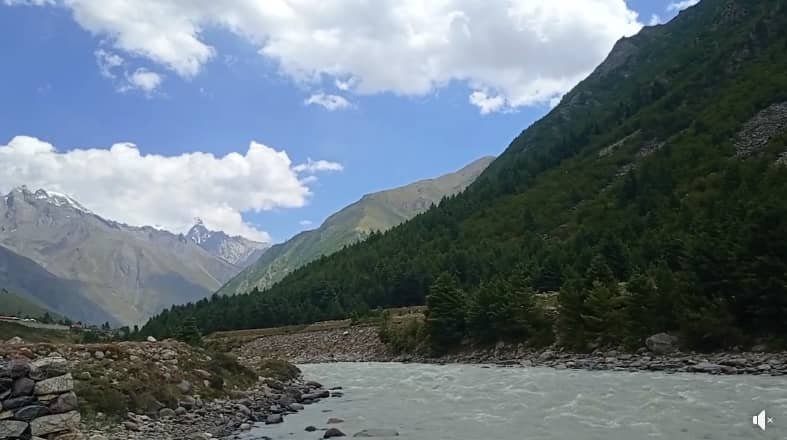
(169,390)
(362,344)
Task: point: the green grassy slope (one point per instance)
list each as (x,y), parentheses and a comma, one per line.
(374,212)
(15,305)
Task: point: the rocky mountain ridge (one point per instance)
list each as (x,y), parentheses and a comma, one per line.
(236,250)
(104,270)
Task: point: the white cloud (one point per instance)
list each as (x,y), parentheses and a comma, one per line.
(526,51)
(305,222)
(144,80)
(655,19)
(487,104)
(681,5)
(312,166)
(123,184)
(107,62)
(330,102)
(29,2)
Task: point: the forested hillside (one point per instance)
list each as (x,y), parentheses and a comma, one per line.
(653,198)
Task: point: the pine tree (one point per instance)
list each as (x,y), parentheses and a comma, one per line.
(189,332)
(446,312)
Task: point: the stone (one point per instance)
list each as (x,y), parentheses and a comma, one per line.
(55,423)
(661,343)
(188,402)
(184,386)
(334,420)
(310,429)
(30,412)
(6,383)
(130,426)
(245,427)
(18,367)
(18,402)
(203,374)
(97,437)
(166,412)
(179,411)
(54,385)
(705,367)
(377,433)
(547,355)
(16,340)
(98,354)
(151,339)
(295,407)
(47,367)
(273,419)
(12,428)
(23,387)
(64,403)
(243,409)
(332,432)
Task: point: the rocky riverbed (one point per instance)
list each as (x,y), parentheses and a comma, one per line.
(361,344)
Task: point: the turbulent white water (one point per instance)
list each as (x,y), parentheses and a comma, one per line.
(465,402)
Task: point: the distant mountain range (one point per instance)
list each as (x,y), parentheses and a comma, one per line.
(379,211)
(236,250)
(59,254)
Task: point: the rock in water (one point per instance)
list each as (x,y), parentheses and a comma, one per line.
(333,432)
(334,420)
(55,423)
(273,419)
(661,343)
(377,433)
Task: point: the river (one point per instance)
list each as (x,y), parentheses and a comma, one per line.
(470,402)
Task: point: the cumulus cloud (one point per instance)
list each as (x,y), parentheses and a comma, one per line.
(525,51)
(143,79)
(305,222)
(681,5)
(330,102)
(312,166)
(485,103)
(124,184)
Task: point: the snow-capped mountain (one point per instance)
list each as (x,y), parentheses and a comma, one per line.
(57,252)
(235,250)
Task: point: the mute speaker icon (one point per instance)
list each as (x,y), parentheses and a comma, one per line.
(759,420)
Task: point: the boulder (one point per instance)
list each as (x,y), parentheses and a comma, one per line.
(18,402)
(377,433)
(273,419)
(30,412)
(705,367)
(334,420)
(55,385)
(55,423)
(184,386)
(332,432)
(48,367)
(310,429)
(22,387)
(151,339)
(661,343)
(295,407)
(130,426)
(12,428)
(64,403)
(166,412)
(18,367)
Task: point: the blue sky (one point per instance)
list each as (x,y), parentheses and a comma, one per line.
(58,88)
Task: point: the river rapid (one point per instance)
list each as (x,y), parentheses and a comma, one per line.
(473,402)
